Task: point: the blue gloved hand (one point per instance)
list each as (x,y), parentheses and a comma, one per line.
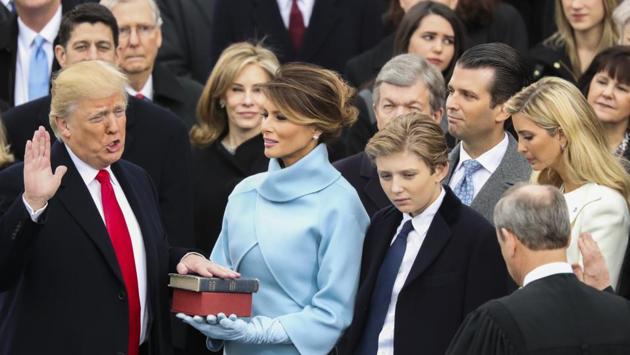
(260,330)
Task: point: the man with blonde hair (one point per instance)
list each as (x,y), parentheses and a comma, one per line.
(83,250)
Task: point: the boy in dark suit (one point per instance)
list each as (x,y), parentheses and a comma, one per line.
(428,260)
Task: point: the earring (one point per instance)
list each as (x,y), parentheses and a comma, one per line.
(222,104)
(562,148)
(315,137)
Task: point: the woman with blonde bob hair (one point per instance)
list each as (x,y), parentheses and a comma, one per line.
(561,137)
(226,142)
(298,227)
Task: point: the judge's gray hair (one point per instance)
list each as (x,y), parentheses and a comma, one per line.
(536,214)
(406,70)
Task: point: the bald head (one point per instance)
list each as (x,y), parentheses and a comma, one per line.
(536,214)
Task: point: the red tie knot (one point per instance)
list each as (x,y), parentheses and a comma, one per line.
(103,177)
(140,96)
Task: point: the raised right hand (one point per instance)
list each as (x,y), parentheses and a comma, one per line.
(40,184)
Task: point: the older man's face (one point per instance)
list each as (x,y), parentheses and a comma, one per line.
(140,37)
(95,131)
(398,100)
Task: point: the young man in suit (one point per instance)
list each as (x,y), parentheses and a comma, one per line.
(140,38)
(553,312)
(428,260)
(407,83)
(83,248)
(156,139)
(485,162)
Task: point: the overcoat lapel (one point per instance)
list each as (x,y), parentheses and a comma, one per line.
(321,24)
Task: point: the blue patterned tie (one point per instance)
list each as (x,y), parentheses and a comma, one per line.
(38,75)
(382,294)
(465,190)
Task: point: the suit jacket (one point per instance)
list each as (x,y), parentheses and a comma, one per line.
(63,270)
(179,95)
(156,140)
(8,54)
(362,175)
(512,169)
(554,315)
(338,29)
(187,46)
(603,212)
(458,267)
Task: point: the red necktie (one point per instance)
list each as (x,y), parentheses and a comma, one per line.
(121,241)
(296,26)
(140,96)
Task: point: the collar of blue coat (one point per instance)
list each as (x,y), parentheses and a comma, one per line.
(310,174)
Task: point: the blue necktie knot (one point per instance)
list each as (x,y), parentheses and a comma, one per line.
(38,75)
(465,190)
(405,230)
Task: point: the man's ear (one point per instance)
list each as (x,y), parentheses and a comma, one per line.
(60,54)
(500,115)
(62,127)
(437,116)
(510,242)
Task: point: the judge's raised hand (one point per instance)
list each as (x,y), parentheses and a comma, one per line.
(595,271)
(40,184)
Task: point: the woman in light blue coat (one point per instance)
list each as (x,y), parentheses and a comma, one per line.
(298,227)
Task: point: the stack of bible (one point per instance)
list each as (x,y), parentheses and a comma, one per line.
(197,295)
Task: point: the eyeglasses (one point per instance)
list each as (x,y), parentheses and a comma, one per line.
(142,31)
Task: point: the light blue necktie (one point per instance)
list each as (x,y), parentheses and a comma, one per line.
(465,190)
(38,75)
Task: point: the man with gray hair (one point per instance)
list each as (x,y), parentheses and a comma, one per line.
(407,83)
(140,38)
(553,311)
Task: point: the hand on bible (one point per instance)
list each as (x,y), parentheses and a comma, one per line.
(40,184)
(196,263)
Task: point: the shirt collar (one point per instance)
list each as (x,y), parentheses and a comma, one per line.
(49,32)
(426,216)
(146,91)
(88,173)
(489,160)
(547,270)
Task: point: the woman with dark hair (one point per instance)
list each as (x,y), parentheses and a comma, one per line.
(434,32)
(298,227)
(606,86)
(585,28)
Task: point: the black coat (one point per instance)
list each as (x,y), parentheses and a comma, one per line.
(187,46)
(338,29)
(458,267)
(215,174)
(507,27)
(62,271)
(362,175)
(155,139)
(548,60)
(8,54)
(362,69)
(554,315)
(177,94)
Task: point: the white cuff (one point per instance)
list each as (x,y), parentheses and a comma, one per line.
(35,214)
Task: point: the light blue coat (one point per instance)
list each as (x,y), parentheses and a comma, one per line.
(300,231)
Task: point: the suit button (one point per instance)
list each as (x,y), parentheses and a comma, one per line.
(121,295)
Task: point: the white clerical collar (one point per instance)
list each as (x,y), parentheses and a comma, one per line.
(88,173)
(547,270)
(489,160)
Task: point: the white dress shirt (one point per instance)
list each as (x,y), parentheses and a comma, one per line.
(489,161)
(305,6)
(147,89)
(415,239)
(26,36)
(88,174)
(547,270)
(6,4)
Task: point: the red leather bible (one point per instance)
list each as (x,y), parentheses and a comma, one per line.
(205,303)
